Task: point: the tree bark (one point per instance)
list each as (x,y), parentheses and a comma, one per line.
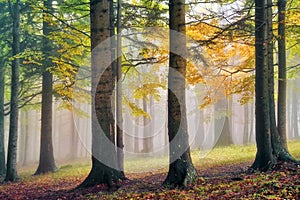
(11,173)
(181,170)
(104,159)
(2,149)
(46,161)
(281,108)
(264,157)
(119,111)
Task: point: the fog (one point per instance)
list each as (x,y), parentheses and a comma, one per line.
(72,133)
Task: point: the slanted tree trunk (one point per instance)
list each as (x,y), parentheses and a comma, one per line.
(11,173)
(264,157)
(2,149)
(181,170)
(104,164)
(46,161)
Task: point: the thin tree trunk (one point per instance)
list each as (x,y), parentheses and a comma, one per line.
(295,111)
(11,173)
(120,143)
(2,132)
(246,124)
(46,161)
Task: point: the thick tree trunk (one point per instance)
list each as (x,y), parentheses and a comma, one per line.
(11,173)
(46,161)
(264,157)
(2,149)
(105,168)
(181,170)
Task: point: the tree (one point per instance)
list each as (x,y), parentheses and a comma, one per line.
(282,79)
(11,173)
(224,138)
(271,147)
(120,144)
(181,170)
(102,88)
(46,161)
(264,157)
(2,149)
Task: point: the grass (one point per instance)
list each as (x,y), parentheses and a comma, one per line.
(152,171)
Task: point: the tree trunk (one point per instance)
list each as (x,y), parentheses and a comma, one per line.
(264,157)
(147,138)
(280,145)
(281,112)
(2,149)
(104,159)
(181,170)
(120,144)
(46,161)
(246,124)
(225,138)
(136,138)
(295,103)
(11,173)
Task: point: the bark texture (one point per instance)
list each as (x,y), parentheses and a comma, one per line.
(46,161)
(11,165)
(181,170)
(104,160)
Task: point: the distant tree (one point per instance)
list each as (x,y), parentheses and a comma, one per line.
(224,137)
(181,170)
(101,99)
(11,167)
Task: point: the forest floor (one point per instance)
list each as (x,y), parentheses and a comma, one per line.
(222,175)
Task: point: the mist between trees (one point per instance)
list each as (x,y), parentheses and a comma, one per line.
(72,132)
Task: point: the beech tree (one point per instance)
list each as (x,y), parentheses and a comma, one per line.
(181,170)
(271,146)
(46,161)
(102,88)
(11,166)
